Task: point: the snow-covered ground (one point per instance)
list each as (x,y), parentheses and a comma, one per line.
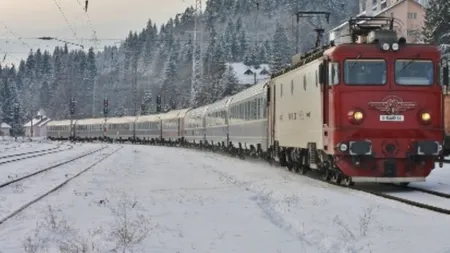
(158,199)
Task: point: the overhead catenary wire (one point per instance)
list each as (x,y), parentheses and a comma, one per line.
(67,21)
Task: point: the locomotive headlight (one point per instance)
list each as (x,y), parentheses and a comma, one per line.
(385,46)
(425,116)
(395,46)
(358,115)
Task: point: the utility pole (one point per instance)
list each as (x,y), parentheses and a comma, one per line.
(72,112)
(16,119)
(134,84)
(197,54)
(105,114)
(319,31)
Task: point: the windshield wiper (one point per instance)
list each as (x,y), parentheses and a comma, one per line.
(409,63)
(354,64)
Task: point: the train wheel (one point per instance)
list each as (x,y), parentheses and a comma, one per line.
(326,175)
(348,182)
(303,169)
(337,178)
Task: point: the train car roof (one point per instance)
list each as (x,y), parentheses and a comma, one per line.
(256,89)
(64,122)
(121,120)
(200,111)
(175,114)
(149,118)
(91,121)
(219,105)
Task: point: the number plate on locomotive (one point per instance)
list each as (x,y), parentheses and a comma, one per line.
(395,118)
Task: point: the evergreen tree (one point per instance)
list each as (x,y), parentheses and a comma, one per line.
(229,82)
(280,49)
(146,105)
(437,24)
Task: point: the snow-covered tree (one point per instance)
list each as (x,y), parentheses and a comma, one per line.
(437,24)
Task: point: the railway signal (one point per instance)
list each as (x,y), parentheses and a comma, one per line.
(158,103)
(16,112)
(105,106)
(72,106)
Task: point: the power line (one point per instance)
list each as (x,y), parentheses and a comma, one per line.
(14,34)
(67,21)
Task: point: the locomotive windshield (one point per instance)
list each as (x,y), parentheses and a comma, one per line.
(365,72)
(414,72)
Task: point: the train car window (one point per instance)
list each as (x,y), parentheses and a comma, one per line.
(317,78)
(367,72)
(333,73)
(414,72)
(292,87)
(281,90)
(304,82)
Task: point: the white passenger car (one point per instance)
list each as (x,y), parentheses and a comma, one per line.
(194,125)
(248,118)
(217,123)
(120,127)
(58,129)
(172,125)
(89,128)
(149,127)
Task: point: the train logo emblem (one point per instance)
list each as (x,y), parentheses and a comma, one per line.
(392,105)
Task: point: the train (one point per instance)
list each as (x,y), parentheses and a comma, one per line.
(366,110)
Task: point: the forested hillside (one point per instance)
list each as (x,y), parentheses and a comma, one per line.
(250,31)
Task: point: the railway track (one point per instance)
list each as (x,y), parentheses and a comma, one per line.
(411,196)
(31,154)
(387,195)
(28,204)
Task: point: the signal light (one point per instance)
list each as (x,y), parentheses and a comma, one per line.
(355,116)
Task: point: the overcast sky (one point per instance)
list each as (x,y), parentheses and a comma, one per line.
(111,19)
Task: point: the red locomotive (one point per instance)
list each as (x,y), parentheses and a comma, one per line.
(370,110)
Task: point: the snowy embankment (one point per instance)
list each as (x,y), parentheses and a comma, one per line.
(176,200)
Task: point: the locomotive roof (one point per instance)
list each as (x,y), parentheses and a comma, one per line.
(250,92)
(374,48)
(174,114)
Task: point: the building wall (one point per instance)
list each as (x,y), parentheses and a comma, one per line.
(410,15)
(4,131)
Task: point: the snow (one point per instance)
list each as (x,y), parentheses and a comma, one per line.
(190,201)
(240,68)
(438,180)
(5,126)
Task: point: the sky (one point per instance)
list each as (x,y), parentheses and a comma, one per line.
(23,20)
